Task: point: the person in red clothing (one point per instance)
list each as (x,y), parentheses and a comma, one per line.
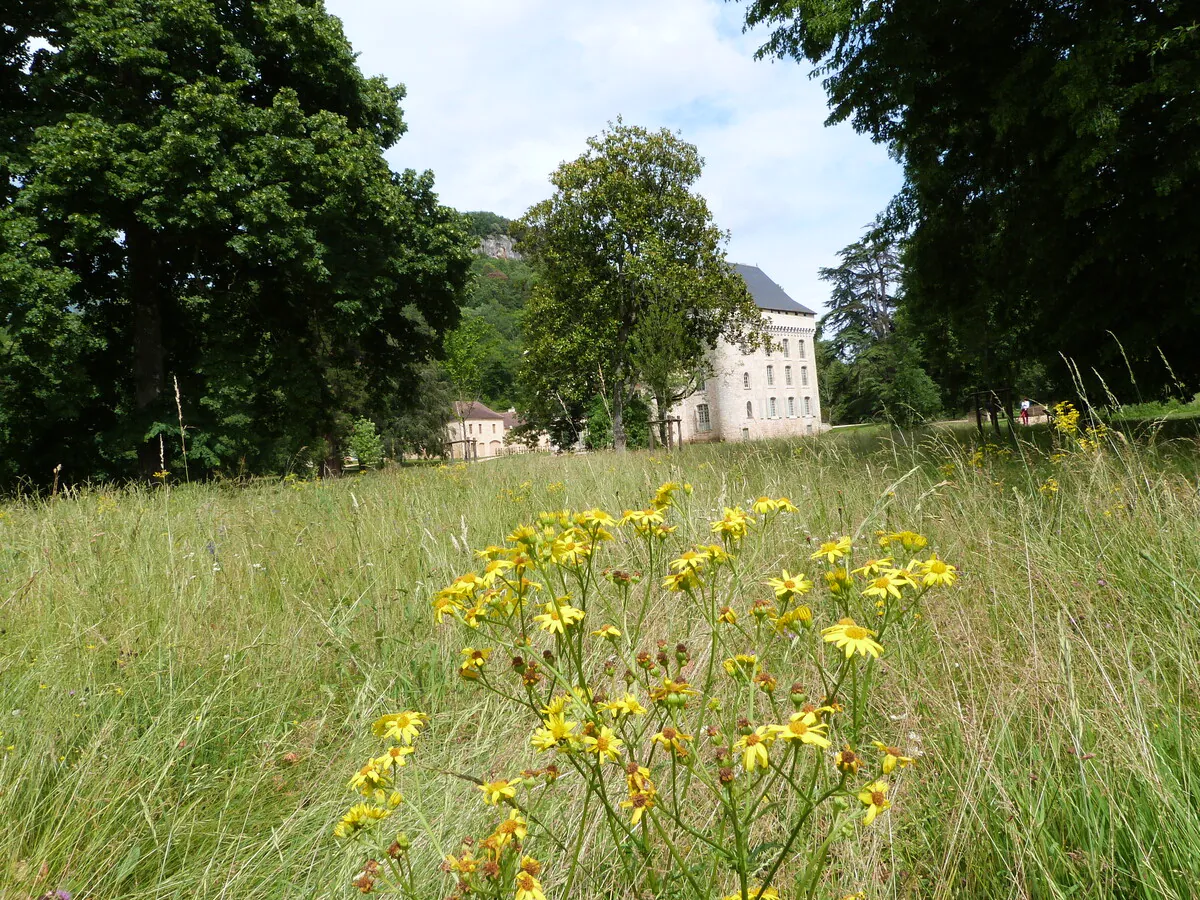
(1025,411)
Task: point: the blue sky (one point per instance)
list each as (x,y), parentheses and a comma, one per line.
(500,93)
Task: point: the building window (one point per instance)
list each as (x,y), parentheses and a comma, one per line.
(746,380)
(808,406)
(787,375)
(771,408)
(801,350)
(785,347)
(745,434)
(493,428)
(702,421)
(809,428)
(804,376)
(470,429)
(791,407)
(749,410)
(770,376)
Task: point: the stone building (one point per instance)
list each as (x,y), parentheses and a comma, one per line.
(766,393)
(478,432)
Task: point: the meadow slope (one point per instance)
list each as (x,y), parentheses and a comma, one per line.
(187,673)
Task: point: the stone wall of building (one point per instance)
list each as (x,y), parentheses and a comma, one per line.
(758,378)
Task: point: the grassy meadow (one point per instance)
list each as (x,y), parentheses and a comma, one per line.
(188,673)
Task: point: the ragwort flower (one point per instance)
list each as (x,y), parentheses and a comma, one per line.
(852,638)
(874,798)
(832,551)
(557,616)
(787,586)
(805,728)
(402,727)
(753,747)
(892,757)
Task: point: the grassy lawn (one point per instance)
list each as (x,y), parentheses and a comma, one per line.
(188,674)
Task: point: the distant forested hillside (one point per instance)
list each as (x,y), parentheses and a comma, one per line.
(490,332)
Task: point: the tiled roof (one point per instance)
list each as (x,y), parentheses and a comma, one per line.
(766,293)
(474,410)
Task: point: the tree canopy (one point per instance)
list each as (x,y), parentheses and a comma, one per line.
(200,194)
(623,237)
(1051,153)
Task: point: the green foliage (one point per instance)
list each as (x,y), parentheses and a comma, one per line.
(485,224)
(872,364)
(497,294)
(366,444)
(1052,173)
(624,234)
(598,424)
(206,198)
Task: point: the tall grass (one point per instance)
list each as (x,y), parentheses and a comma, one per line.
(185,672)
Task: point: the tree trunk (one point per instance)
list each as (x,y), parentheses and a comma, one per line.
(332,467)
(618,416)
(148,351)
(660,405)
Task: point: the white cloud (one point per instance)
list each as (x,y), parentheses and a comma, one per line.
(500,93)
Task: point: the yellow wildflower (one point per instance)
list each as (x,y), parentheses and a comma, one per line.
(626,706)
(727,616)
(765,505)
(555,732)
(605,745)
(884,586)
(476,658)
(672,694)
(528,887)
(673,740)
(873,566)
(852,638)
(733,525)
(557,616)
(783,504)
(753,747)
(804,727)
(755,893)
(909,540)
(567,550)
(681,581)
(874,798)
(690,560)
(495,791)
(663,497)
(512,827)
(369,779)
(743,665)
(787,586)
(832,551)
(402,727)
(937,572)
(360,817)
(638,803)
(394,758)
(847,761)
(607,631)
(892,757)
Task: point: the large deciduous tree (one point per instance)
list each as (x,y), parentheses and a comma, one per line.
(1051,150)
(623,238)
(205,199)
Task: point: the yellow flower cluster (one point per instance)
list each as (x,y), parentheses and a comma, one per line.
(648,728)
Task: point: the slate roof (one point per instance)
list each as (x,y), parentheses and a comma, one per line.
(766,293)
(474,410)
